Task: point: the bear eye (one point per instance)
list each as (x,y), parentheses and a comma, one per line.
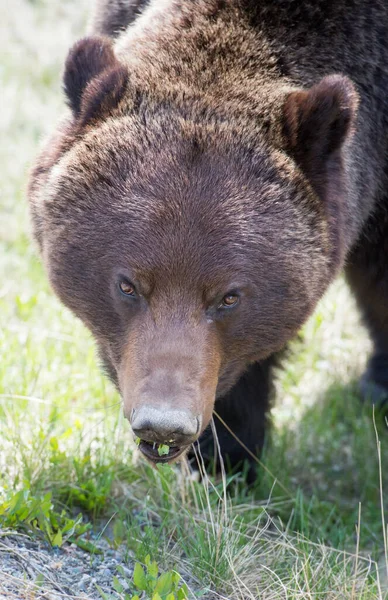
(229,300)
(127,288)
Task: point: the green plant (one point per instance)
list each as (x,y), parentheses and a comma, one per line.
(36,514)
(147,584)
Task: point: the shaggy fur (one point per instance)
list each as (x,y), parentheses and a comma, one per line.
(217,146)
(112,17)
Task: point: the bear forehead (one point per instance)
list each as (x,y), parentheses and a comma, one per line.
(171,159)
(192,190)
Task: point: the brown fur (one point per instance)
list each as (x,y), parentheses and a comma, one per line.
(111,17)
(217,145)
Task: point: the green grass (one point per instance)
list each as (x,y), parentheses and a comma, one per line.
(312,525)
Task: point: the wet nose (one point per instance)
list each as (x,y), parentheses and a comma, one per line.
(165,426)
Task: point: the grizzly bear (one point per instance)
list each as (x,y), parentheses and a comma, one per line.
(222,161)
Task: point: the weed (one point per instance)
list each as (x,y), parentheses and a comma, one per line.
(36,515)
(148,584)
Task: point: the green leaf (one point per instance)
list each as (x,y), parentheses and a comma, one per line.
(156,597)
(117,585)
(152,569)
(17,500)
(139,577)
(57,540)
(183,593)
(164,584)
(170,597)
(39,581)
(87,546)
(54,443)
(103,595)
(135,597)
(163,449)
(46,503)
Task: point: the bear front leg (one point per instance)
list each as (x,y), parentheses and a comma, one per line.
(245,410)
(367,274)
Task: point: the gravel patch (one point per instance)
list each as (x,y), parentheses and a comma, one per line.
(31,569)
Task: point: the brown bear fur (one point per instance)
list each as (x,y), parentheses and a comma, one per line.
(218,145)
(112,17)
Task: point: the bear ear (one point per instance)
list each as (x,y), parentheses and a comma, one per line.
(317,123)
(93,78)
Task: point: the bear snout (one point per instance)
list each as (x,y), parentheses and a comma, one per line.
(165,425)
(163,433)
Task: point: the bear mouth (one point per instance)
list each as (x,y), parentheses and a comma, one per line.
(151,451)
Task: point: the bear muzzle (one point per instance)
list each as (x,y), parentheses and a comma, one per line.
(167,427)
(168,379)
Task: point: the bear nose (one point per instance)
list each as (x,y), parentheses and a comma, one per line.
(165,426)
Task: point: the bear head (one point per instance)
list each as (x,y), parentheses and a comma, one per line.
(191,246)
